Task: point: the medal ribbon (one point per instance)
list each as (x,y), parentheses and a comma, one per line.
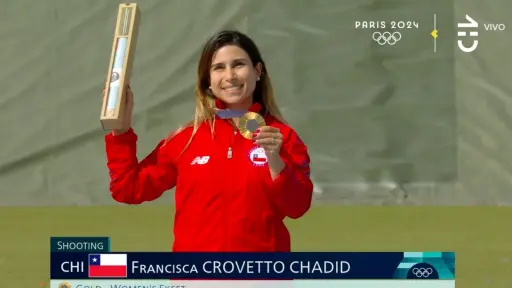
(228,114)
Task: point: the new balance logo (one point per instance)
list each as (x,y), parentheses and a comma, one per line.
(200,160)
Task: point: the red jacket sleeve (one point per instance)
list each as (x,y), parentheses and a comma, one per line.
(134,182)
(293,185)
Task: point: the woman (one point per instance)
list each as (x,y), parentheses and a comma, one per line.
(232,194)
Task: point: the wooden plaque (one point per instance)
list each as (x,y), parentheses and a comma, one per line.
(120,66)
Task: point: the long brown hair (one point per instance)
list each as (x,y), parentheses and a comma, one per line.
(205,101)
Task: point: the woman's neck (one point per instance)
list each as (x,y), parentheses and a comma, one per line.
(239,106)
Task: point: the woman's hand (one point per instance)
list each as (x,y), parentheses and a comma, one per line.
(127,121)
(269,138)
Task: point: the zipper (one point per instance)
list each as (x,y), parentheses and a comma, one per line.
(227,197)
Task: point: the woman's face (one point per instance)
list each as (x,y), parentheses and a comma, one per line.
(233,76)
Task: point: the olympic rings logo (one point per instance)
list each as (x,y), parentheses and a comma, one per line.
(422,272)
(386,37)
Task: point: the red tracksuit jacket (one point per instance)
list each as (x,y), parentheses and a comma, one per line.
(223,203)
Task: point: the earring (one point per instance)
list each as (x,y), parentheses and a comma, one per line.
(258,79)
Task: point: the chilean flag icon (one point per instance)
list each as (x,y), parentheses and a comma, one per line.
(258,156)
(108,266)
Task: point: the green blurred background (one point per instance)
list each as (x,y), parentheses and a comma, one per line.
(394,132)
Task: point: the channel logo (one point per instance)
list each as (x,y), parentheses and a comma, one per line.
(469,30)
(472,26)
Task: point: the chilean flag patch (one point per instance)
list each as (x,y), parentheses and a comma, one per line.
(257,156)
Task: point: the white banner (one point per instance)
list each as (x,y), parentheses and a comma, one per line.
(251,284)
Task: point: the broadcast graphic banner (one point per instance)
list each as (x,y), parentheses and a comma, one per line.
(87,262)
(253,284)
(244,266)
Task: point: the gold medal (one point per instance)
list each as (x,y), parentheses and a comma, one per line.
(249,123)
(64,285)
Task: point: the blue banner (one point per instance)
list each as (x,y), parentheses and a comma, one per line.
(297,265)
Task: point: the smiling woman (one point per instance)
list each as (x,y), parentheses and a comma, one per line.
(233,77)
(232,193)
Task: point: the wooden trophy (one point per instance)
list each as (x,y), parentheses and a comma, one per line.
(120,68)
